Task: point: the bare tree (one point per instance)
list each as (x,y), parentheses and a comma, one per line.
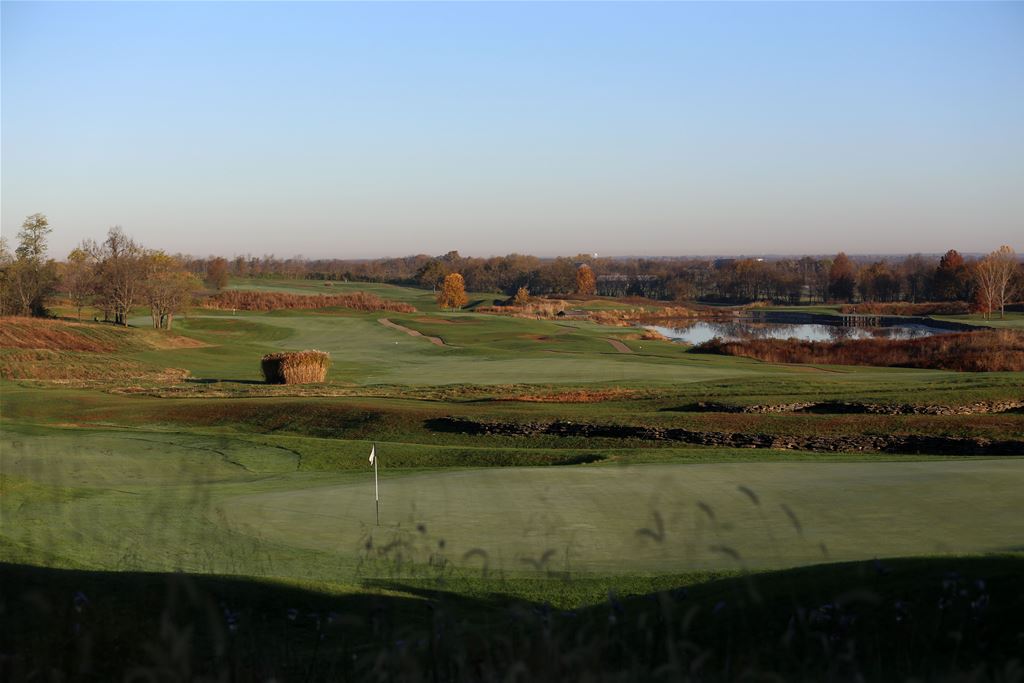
(78,278)
(122,270)
(167,289)
(994,278)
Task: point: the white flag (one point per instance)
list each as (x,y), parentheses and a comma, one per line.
(372,455)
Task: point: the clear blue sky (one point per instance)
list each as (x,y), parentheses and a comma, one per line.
(352,130)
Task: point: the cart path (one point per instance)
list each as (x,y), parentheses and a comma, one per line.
(618,346)
(437,341)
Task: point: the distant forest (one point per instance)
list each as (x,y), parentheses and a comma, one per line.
(118,274)
(840,278)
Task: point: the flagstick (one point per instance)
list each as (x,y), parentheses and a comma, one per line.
(376,486)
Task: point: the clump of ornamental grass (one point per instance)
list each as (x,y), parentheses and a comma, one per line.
(297,367)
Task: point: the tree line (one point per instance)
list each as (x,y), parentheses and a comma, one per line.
(988,283)
(119,274)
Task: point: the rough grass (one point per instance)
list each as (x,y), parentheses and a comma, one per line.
(988,351)
(274,301)
(61,335)
(298,367)
(73,367)
(69,352)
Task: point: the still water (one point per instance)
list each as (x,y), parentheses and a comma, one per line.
(699,331)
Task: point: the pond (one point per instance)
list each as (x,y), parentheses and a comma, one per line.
(805,327)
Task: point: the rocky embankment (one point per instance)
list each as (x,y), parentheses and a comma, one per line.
(854,407)
(908,444)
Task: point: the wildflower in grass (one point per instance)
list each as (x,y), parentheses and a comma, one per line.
(292,614)
(80,601)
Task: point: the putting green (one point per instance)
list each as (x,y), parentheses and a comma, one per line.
(657,517)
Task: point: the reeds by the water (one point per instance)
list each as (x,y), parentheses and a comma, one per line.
(906,308)
(988,351)
(299,367)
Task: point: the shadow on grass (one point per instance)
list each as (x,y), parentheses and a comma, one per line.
(948,618)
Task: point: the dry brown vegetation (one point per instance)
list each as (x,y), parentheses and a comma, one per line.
(577,396)
(299,367)
(63,352)
(40,333)
(905,308)
(273,301)
(629,317)
(61,335)
(81,368)
(987,351)
(546,308)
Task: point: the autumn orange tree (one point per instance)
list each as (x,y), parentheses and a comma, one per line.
(522,297)
(842,277)
(217,273)
(586,284)
(453,292)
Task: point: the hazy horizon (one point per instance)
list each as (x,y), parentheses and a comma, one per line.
(337,130)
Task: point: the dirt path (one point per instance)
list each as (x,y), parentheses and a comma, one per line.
(436,341)
(618,346)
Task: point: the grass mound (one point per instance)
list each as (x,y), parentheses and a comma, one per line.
(275,301)
(988,351)
(71,367)
(58,335)
(301,367)
(70,352)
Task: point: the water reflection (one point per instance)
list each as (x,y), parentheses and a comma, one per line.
(697,332)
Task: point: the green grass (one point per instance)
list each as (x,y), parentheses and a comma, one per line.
(230,477)
(244,505)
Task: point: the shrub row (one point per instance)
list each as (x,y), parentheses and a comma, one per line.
(273,301)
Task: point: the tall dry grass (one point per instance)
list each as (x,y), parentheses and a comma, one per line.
(629,317)
(299,367)
(273,301)
(987,351)
(543,308)
(906,308)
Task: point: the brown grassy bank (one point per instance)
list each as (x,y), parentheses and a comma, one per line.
(274,301)
(988,351)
